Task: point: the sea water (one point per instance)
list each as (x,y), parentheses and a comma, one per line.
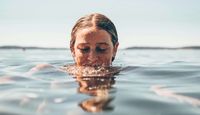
(152,82)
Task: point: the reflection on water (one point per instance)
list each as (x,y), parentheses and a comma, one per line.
(99,90)
(95,82)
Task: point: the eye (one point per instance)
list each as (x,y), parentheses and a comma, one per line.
(84,50)
(99,49)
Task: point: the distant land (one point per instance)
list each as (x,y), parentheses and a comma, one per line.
(128,48)
(24,48)
(163,48)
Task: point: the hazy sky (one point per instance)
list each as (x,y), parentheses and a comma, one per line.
(48,23)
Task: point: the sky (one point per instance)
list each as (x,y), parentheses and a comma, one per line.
(48,23)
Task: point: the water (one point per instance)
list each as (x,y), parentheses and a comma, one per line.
(142,88)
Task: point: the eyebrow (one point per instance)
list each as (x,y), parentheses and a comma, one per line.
(83,44)
(102,43)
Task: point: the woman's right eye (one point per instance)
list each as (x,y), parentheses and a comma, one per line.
(84,50)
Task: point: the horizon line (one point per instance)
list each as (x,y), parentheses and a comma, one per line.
(130,47)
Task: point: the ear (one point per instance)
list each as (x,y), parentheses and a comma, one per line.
(115,49)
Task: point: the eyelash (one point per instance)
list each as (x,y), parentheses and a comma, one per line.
(100,49)
(86,50)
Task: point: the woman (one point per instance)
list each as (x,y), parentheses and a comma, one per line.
(93,44)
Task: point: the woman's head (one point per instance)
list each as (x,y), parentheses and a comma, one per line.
(94,41)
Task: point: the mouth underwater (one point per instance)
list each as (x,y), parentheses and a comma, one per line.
(91,71)
(95,64)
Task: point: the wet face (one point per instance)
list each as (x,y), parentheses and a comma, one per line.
(93,47)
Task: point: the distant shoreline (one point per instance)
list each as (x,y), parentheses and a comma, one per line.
(128,48)
(24,48)
(163,48)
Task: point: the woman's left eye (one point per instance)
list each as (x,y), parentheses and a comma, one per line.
(84,50)
(98,49)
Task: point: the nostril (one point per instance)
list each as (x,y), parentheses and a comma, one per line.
(92,62)
(92,57)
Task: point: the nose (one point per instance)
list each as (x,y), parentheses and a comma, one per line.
(92,57)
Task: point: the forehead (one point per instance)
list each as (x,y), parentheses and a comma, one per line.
(91,35)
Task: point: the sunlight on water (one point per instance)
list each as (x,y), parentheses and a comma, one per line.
(141,82)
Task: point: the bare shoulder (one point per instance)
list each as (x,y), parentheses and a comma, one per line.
(39,67)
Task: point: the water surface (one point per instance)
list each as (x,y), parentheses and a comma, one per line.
(141,88)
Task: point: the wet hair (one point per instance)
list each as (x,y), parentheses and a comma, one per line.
(94,20)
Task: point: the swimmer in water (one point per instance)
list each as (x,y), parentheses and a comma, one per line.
(93,44)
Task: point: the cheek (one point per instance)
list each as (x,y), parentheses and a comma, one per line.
(107,58)
(80,59)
